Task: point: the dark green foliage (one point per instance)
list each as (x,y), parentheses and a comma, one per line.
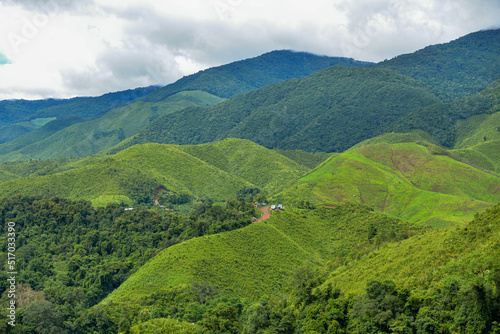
(245,75)
(442,120)
(77,255)
(457,69)
(330,110)
(42,317)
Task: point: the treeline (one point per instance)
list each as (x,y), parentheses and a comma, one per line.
(70,255)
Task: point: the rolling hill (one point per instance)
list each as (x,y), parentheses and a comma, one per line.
(76,138)
(215,171)
(249,262)
(201,89)
(415,182)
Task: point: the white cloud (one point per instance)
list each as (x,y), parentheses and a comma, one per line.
(62,48)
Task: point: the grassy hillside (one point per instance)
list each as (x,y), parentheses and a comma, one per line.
(308,159)
(266,169)
(456,69)
(408,180)
(464,253)
(249,262)
(87,138)
(212,171)
(330,110)
(249,74)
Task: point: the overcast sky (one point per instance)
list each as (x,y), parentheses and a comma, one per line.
(65,48)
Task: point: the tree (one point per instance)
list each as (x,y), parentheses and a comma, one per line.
(42,317)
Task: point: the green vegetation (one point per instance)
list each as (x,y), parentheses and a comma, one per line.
(418,183)
(249,74)
(454,70)
(19,117)
(457,124)
(70,255)
(330,110)
(308,159)
(86,138)
(211,171)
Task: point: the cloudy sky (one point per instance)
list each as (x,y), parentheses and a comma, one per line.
(65,48)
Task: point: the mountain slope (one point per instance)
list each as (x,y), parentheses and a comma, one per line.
(18,117)
(408,180)
(456,69)
(249,74)
(87,138)
(212,171)
(249,262)
(201,89)
(464,254)
(330,110)
(455,124)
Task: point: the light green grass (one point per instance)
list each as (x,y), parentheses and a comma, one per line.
(404,180)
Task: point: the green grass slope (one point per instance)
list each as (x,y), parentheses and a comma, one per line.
(267,169)
(456,69)
(39,134)
(90,137)
(257,260)
(406,180)
(465,253)
(330,110)
(216,171)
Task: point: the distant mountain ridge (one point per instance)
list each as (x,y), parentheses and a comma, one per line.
(329,111)
(252,73)
(454,70)
(202,89)
(18,117)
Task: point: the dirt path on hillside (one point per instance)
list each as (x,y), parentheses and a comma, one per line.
(265,213)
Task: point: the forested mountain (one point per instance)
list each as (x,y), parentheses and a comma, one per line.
(202,89)
(80,139)
(249,74)
(330,110)
(454,70)
(18,117)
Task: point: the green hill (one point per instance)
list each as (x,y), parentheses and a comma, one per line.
(456,124)
(212,171)
(418,183)
(330,110)
(112,123)
(249,262)
(86,138)
(454,70)
(466,253)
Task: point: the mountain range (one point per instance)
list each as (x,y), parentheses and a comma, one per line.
(135,210)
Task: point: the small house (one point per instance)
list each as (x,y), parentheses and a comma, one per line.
(273,207)
(280,207)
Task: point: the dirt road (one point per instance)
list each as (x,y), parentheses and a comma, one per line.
(265,213)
